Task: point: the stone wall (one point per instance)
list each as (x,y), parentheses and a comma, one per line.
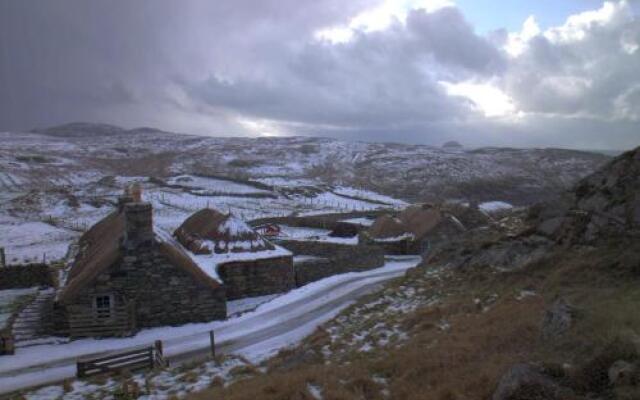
(24,276)
(324,221)
(339,258)
(257,278)
(395,248)
(163,294)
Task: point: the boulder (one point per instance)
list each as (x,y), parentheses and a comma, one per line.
(606,203)
(557,320)
(622,373)
(527,382)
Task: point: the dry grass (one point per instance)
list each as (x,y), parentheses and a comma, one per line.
(467,360)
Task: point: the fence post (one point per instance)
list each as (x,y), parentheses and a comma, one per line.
(159,355)
(212,340)
(158,347)
(81,369)
(3,259)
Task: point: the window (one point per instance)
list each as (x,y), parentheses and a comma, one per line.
(103,306)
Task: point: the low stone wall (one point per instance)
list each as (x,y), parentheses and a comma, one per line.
(324,221)
(24,276)
(312,270)
(257,278)
(339,258)
(399,247)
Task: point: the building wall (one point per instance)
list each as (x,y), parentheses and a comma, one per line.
(163,294)
(257,278)
(339,258)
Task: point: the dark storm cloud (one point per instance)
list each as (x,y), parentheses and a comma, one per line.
(217,67)
(381,80)
(78,60)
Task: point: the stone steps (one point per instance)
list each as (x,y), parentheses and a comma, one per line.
(31,324)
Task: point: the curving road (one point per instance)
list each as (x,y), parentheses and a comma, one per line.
(255,335)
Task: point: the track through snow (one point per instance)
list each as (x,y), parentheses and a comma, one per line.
(256,335)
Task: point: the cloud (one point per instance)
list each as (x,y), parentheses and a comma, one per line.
(579,69)
(407,70)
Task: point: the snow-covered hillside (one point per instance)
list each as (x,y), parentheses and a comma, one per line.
(56,182)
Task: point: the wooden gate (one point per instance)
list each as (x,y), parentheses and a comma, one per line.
(127,360)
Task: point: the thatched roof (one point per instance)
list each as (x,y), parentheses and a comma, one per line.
(387,226)
(416,220)
(420,219)
(101,239)
(209,231)
(100,247)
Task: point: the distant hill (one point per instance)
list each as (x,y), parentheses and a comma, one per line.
(411,172)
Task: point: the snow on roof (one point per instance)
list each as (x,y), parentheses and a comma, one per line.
(235,227)
(208,231)
(209,263)
(399,238)
(359,221)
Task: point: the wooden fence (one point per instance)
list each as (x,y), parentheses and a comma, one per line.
(129,360)
(118,321)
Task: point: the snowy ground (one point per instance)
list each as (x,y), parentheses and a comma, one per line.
(256,335)
(42,226)
(313,234)
(492,206)
(212,185)
(163,384)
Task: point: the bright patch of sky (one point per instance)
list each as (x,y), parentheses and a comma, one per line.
(379,18)
(484,97)
(486,16)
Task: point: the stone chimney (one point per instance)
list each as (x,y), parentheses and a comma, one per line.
(3,259)
(138,225)
(136,192)
(123,200)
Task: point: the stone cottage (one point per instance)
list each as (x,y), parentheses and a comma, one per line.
(226,247)
(416,228)
(127,275)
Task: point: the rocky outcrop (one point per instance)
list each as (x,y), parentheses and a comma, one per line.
(622,373)
(527,382)
(604,204)
(557,320)
(505,254)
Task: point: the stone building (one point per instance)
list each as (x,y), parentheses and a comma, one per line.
(419,227)
(226,247)
(128,275)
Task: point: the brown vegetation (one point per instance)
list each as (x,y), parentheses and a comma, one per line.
(490,326)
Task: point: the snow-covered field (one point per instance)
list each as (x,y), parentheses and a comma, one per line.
(211,185)
(43,225)
(70,176)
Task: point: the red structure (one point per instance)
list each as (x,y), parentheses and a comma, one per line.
(268,230)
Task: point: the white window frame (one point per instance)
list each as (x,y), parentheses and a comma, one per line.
(96,309)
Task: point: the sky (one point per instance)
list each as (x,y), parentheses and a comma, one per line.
(537,73)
